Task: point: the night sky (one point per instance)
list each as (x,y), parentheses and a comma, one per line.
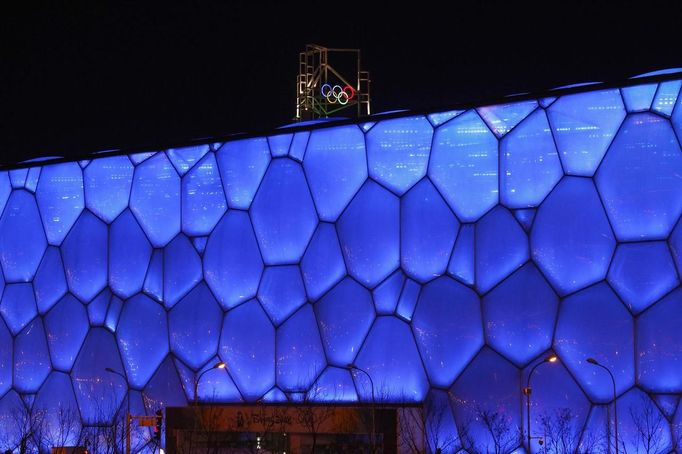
(141,75)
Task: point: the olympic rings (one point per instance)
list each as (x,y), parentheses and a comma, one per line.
(337,94)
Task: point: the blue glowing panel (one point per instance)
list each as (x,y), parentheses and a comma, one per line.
(129,255)
(232,262)
(247,345)
(165,389)
(275,395)
(242,165)
(142,335)
(594,323)
(5,358)
(85,257)
(279,145)
(597,435)
(638,414)
(639,97)
(107,186)
(22,240)
(99,393)
(447,326)
(32,179)
(390,357)
(31,358)
(525,218)
(398,152)
(18,306)
(440,424)
(66,326)
(322,264)
(137,158)
(345,315)
(155,199)
(667,403)
(281,292)
(60,198)
(334,385)
(464,166)
(408,300)
(194,325)
(462,263)
(298,145)
(387,293)
(501,247)
(153,283)
(666,96)
(571,240)
(368,125)
(113,314)
(640,179)
(584,125)
(438,119)
(217,386)
(504,117)
(203,200)
(5,189)
(428,232)
(659,336)
(181,269)
(300,355)
(642,273)
(185,158)
(97,308)
(50,282)
(199,243)
(488,390)
(529,163)
(283,213)
(187,378)
(519,315)
(336,167)
(17,179)
(61,420)
(676,118)
(369,231)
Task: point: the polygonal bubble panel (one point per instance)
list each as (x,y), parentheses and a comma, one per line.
(641,273)
(181,269)
(14,418)
(50,281)
(247,345)
(387,293)
(66,325)
(242,166)
(5,189)
(85,256)
(61,420)
(300,355)
(322,265)
(439,118)
(97,308)
(336,167)
(153,282)
(142,335)
(281,292)
(298,145)
(5,358)
(203,200)
(99,393)
(462,263)
(659,335)
(345,314)
(666,95)
(60,198)
(488,391)
(504,117)
(428,232)
(137,158)
(194,325)
(31,358)
(129,255)
(185,158)
(439,423)
(165,389)
(369,231)
(641,425)
(334,385)
(501,247)
(640,179)
(448,329)
(593,323)
(232,262)
(464,165)
(390,356)
(519,315)
(571,240)
(107,186)
(22,240)
(155,199)
(676,118)
(113,313)
(279,145)
(216,385)
(597,434)
(283,213)
(398,152)
(18,306)
(408,300)
(529,163)
(584,125)
(639,97)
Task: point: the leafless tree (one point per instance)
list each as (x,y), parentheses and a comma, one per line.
(503,435)
(424,429)
(650,426)
(61,427)
(22,428)
(561,434)
(312,414)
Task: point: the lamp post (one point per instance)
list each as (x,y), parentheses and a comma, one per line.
(128,415)
(527,391)
(218,365)
(615,395)
(353,367)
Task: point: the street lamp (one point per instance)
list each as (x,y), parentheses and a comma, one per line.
(527,391)
(615,395)
(353,367)
(128,416)
(218,365)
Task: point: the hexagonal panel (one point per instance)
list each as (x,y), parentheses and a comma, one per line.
(640,178)
(464,165)
(448,329)
(61,420)
(107,186)
(369,231)
(66,326)
(502,118)
(242,166)
(31,358)
(18,306)
(283,213)
(232,261)
(322,265)
(571,240)
(281,292)
(50,281)
(129,255)
(336,167)
(60,198)
(185,158)
(165,389)
(181,269)
(203,200)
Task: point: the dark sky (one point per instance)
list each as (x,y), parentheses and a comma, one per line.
(141,74)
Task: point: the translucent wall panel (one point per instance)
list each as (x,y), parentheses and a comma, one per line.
(242,166)
(164,388)
(408,300)
(298,145)
(66,326)
(61,420)
(504,117)
(60,198)
(462,263)
(216,385)
(281,292)
(300,355)
(107,186)
(31,358)
(322,265)
(439,118)
(666,95)
(181,269)
(279,145)
(203,200)
(153,283)
(5,189)
(641,426)
(185,158)
(639,97)
(336,166)
(129,255)
(85,256)
(50,281)
(6,362)
(18,306)
(334,385)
